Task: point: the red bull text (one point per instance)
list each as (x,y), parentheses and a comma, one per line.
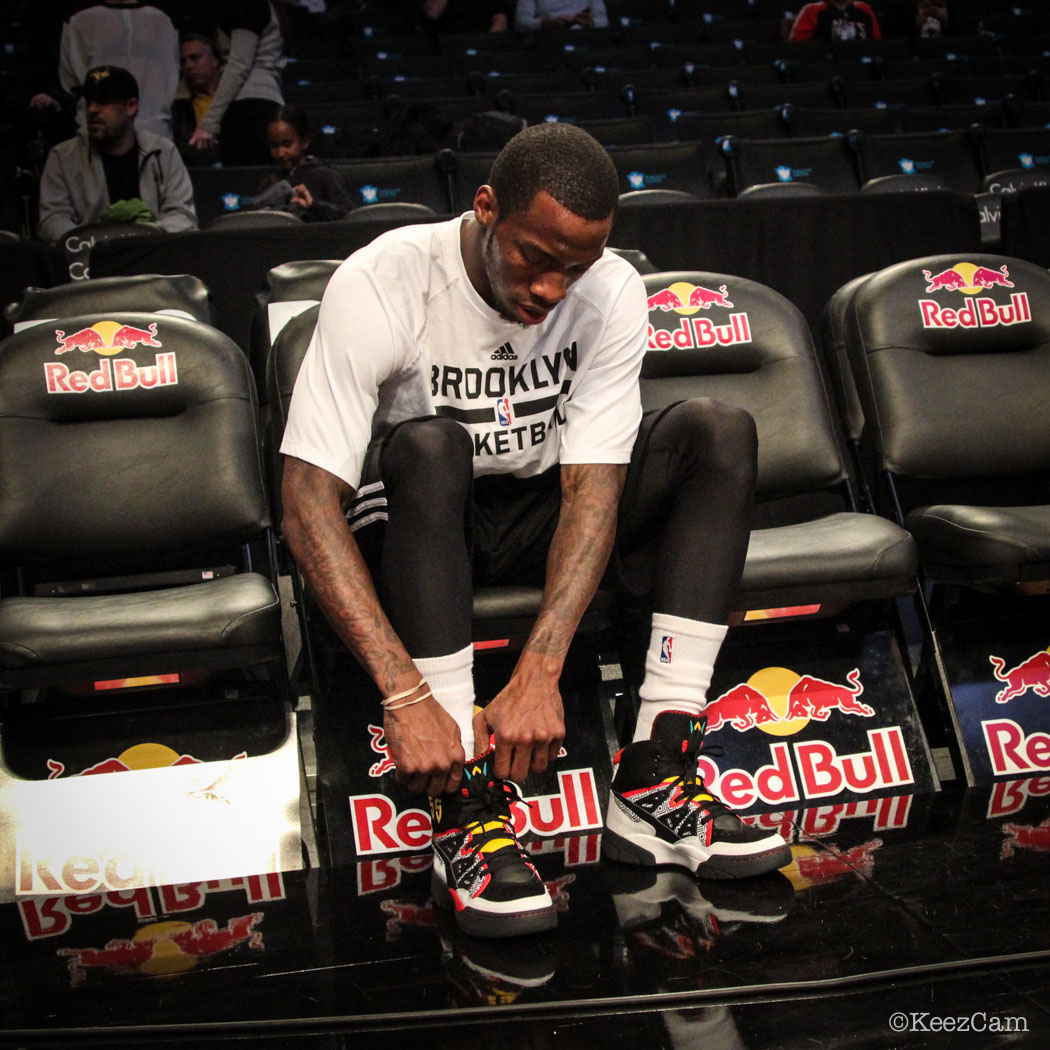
(978,312)
(1011,796)
(698,333)
(1014,752)
(380,828)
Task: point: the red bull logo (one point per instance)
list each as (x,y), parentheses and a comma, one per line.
(1032,674)
(1012,751)
(380,828)
(828,862)
(378,743)
(696,332)
(781,702)
(165,947)
(108,338)
(980,311)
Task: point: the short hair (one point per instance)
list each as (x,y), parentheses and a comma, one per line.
(561,159)
(294,114)
(203,38)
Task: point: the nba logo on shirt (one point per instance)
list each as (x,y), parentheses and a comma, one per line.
(666,645)
(503,411)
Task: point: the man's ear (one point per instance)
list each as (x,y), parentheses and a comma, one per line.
(133,107)
(486,211)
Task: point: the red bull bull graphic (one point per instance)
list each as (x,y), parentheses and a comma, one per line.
(165,947)
(138,756)
(1012,751)
(378,826)
(828,862)
(1025,836)
(107,339)
(1032,674)
(979,311)
(687,299)
(781,702)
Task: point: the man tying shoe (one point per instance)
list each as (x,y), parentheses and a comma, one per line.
(470,406)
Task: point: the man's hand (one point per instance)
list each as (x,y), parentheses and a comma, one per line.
(425,747)
(527,718)
(202,138)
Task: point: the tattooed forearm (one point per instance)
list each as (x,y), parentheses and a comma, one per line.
(579,553)
(336,573)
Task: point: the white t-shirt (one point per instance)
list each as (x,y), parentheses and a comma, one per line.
(402,333)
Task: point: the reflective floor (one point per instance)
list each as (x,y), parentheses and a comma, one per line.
(934,909)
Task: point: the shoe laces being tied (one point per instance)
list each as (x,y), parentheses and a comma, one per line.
(487,818)
(689,780)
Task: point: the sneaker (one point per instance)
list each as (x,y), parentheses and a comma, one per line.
(660,811)
(480,869)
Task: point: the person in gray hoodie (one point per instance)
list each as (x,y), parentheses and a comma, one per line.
(113,172)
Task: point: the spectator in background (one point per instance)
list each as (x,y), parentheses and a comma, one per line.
(249,92)
(302,184)
(925,18)
(836,20)
(114,172)
(466,16)
(131,35)
(201,72)
(532,15)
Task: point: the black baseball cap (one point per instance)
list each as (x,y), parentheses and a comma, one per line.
(109,84)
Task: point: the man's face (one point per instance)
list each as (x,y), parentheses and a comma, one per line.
(199,65)
(108,122)
(533,256)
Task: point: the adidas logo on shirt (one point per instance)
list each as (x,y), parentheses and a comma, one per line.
(505,353)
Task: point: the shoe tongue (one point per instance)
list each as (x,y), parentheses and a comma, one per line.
(672,729)
(478,770)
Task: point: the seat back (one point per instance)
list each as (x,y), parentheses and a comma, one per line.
(662,166)
(951,360)
(950,155)
(126,438)
(828,163)
(738,341)
(386,180)
(290,289)
(177,294)
(219,191)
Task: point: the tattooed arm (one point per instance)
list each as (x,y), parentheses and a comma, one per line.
(423,739)
(527,715)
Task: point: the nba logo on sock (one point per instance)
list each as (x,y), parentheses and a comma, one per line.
(666,645)
(503,411)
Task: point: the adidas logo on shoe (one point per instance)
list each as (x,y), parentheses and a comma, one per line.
(661,812)
(504,353)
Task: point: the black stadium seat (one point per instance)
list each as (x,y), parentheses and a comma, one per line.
(965,470)
(133,493)
(949,155)
(742,343)
(827,163)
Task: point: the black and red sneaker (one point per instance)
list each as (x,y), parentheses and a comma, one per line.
(480,869)
(661,812)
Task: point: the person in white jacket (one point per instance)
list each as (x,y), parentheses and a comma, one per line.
(113,172)
(134,36)
(531,15)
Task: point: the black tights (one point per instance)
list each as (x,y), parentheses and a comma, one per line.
(684,522)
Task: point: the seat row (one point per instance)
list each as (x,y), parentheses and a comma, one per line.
(131,442)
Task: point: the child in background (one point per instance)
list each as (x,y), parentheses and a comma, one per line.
(302,184)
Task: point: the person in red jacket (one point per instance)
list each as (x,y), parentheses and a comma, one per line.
(836,20)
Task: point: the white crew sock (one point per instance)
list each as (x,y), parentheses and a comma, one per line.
(451,680)
(678,668)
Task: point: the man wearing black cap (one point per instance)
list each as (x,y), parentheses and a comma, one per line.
(113,172)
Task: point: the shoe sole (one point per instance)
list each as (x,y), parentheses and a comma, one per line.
(653,852)
(479,923)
